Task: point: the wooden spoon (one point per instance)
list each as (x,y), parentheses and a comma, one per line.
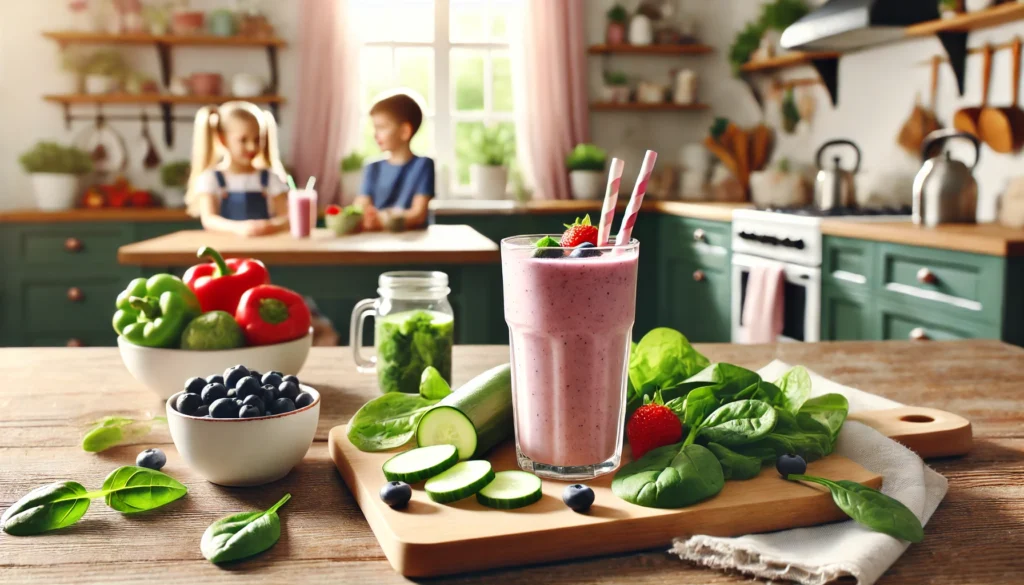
(966,119)
(1003,128)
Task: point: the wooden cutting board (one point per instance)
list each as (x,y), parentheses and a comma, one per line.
(428,539)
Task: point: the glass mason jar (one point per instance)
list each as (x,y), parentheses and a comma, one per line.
(414,328)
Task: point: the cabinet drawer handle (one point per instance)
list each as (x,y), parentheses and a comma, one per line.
(73,245)
(75,342)
(700,235)
(698,275)
(926,276)
(919,334)
(75,294)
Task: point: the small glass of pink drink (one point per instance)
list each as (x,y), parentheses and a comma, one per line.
(570,317)
(301,212)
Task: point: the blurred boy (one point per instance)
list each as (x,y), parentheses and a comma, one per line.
(403,183)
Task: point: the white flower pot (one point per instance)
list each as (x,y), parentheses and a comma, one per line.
(587,184)
(641,30)
(351,181)
(99,84)
(174,197)
(488,182)
(55,191)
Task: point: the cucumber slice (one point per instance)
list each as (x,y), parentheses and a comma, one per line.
(415,465)
(447,425)
(510,489)
(460,481)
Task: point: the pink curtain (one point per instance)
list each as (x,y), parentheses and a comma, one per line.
(327,108)
(551,78)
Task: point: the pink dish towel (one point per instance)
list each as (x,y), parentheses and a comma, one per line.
(762,309)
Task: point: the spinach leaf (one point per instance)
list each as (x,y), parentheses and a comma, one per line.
(432,385)
(764,391)
(114,430)
(663,359)
(739,423)
(796,388)
(871,508)
(388,421)
(133,489)
(732,380)
(734,465)
(828,409)
(46,508)
(673,476)
(242,535)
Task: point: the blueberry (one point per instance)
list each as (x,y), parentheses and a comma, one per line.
(188,403)
(151,459)
(789,464)
(248,411)
(396,494)
(248,387)
(233,374)
(270,394)
(195,385)
(584,250)
(203,410)
(290,378)
(548,253)
(272,378)
(215,379)
(288,390)
(303,400)
(254,400)
(256,375)
(213,392)
(578,497)
(224,408)
(282,405)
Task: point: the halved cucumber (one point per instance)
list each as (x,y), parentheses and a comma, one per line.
(418,464)
(510,489)
(447,425)
(486,401)
(460,481)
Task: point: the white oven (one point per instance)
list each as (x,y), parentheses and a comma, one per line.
(801,297)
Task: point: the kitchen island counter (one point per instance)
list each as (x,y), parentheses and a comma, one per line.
(325,539)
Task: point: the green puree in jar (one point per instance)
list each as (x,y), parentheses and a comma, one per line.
(407,343)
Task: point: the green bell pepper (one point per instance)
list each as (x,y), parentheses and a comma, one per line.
(154,312)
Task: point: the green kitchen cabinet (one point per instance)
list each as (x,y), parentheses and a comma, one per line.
(846,316)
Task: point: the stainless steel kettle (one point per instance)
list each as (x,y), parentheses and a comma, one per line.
(834,187)
(944,189)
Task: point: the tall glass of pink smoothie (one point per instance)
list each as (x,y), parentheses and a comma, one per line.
(570,320)
(301,212)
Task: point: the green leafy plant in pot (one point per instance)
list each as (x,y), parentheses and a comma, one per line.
(765,31)
(616,87)
(174,176)
(56,171)
(490,150)
(586,171)
(104,72)
(351,175)
(615,34)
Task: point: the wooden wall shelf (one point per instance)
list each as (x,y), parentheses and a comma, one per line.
(639,107)
(70,37)
(995,16)
(788,60)
(155,98)
(690,49)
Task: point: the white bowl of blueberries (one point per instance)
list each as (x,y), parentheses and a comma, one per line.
(243,428)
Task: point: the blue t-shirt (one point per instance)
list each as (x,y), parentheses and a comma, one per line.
(395,185)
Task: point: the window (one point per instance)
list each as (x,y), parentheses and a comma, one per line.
(455,54)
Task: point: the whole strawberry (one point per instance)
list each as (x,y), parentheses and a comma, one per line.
(577,233)
(652,426)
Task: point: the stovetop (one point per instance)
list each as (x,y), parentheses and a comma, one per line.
(812,211)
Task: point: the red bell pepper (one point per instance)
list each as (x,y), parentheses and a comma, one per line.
(220,284)
(272,314)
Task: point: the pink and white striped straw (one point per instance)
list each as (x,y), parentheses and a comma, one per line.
(633,209)
(611,196)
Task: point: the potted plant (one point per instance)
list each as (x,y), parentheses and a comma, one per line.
(55,170)
(351,175)
(616,87)
(103,72)
(762,35)
(615,34)
(174,176)
(586,171)
(490,151)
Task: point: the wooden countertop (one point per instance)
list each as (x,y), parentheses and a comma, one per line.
(50,395)
(75,215)
(700,210)
(438,244)
(985,238)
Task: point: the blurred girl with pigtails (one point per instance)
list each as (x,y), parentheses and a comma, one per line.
(237,183)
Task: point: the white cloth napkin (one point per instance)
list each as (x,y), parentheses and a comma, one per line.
(821,554)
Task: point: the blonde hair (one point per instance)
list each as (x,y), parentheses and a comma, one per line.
(208,149)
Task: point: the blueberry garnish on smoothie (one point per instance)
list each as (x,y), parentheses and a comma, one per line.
(548,247)
(585,250)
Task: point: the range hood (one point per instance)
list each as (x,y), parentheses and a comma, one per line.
(844,25)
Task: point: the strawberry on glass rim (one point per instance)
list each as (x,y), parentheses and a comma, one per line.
(333,209)
(579,232)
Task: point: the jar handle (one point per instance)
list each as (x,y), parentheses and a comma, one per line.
(363,309)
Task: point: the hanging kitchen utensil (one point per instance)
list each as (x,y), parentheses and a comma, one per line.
(105,145)
(966,119)
(945,190)
(99,152)
(1003,128)
(152,158)
(922,120)
(834,187)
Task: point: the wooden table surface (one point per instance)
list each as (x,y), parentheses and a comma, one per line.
(438,244)
(49,396)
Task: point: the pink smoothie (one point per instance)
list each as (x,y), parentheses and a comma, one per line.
(570,322)
(301,212)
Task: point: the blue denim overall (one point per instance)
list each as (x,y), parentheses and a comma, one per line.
(241,205)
